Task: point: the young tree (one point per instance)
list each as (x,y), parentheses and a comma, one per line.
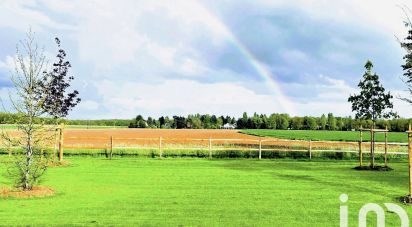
(57,100)
(30,63)
(407,67)
(372,102)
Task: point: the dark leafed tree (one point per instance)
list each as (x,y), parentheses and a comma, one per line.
(57,101)
(407,46)
(372,103)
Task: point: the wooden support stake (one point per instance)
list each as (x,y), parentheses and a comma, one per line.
(360,147)
(260,149)
(386,146)
(61,142)
(160,147)
(310,149)
(111,147)
(210,148)
(410,158)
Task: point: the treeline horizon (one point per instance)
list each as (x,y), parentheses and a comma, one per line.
(256,121)
(272,121)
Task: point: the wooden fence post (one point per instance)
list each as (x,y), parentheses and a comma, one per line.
(360,147)
(310,149)
(61,142)
(111,147)
(386,146)
(9,149)
(260,149)
(210,148)
(410,159)
(160,147)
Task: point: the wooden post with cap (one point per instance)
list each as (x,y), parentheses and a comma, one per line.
(360,146)
(111,147)
(61,141)
(260,149)
(210,148)
(160,147)
(386,146)
(410,158)
(310,149)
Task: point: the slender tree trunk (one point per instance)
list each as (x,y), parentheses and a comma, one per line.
(29,156)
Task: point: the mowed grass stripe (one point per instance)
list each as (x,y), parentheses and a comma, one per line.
(319,135)
(200,192)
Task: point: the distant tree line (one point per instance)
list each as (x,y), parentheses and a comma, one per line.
(12,118)
(256,121)
(263,121)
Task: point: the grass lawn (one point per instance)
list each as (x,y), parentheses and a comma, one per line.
(401,137)
(201,192)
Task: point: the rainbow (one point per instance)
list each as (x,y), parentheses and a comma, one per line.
(285,104)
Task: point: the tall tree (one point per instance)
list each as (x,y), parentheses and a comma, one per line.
(372,102)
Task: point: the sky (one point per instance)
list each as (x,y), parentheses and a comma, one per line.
(154,58)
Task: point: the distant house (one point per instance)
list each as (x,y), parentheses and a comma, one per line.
(228,126)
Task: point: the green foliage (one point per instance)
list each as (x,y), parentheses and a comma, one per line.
(322,122)
(331,122)
(372,103)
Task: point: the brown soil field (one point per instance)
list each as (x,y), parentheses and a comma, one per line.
(101,138)
(134,138)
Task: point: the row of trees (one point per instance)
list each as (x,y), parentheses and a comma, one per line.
(13,118)
(256,121)
(263,121)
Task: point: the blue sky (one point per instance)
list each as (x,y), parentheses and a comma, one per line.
(218,57)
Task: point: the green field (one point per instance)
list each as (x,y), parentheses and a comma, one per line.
(318,135)
(201,192)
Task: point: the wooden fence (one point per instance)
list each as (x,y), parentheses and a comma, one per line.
(218,144)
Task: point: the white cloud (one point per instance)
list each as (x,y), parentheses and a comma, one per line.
(20,14)
(376,14)
(116,37)
(88,105)
(181,97)
(7,64)
(193,67)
